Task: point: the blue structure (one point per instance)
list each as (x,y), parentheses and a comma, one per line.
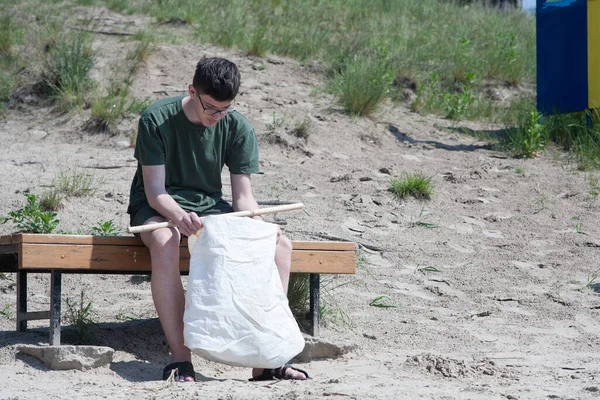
(562,56)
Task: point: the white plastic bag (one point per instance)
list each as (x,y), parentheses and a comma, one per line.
(236,311)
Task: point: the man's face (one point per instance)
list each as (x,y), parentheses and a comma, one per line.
(209,110)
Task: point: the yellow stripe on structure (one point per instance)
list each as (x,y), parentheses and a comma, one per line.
(593,18)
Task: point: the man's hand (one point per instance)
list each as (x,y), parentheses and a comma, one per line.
(189,224)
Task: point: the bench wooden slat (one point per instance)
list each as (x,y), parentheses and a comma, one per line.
(127,254)
(35,256)
(133,241)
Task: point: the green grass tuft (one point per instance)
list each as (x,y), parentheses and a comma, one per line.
(417,185)
(302,129)
(76,183)
(362,85)
(66,71)
(79,313)
(51,200)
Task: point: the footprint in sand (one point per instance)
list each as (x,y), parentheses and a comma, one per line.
(463,229)
(473,221)
(492,234)
(460,249)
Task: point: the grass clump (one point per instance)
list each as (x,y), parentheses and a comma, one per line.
(76,183)
(79,313)
(51,200)
(31,218)
(66,71)
(362,84)
(108,110)
(417,185)
(143,49)
(574,133)
(299,301)
(298,297)
(302,129)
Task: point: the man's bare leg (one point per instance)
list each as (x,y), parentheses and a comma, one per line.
(283,260)
(167,290)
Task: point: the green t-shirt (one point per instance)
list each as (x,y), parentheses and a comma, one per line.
(193,155)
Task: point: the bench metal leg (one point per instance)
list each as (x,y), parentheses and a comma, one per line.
(55,293)
(21,301)
(315,307)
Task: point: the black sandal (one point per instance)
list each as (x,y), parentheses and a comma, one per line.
(182,368)
(279,373)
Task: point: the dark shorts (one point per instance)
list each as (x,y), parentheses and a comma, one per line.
(142,213)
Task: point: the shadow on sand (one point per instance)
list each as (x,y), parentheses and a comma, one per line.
(493,136)
(142,338)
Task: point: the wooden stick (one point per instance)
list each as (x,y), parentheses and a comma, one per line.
(250,213)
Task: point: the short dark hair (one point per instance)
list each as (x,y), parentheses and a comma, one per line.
(217,77)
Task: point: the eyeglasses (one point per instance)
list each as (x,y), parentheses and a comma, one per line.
(213,112)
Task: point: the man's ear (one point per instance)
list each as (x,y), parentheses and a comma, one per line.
(191,90)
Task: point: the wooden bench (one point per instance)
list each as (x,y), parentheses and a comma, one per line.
(58,254)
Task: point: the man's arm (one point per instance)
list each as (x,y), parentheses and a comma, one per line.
(161,201)
(241,193)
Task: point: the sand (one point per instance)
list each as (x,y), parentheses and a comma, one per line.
(491,279)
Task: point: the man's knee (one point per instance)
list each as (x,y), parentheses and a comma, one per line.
(284,247)
(163,244)
(283,255)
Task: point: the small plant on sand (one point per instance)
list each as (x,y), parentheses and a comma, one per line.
(334,315)
(31,218)
(426,269)
(528,139)
(76,183)
(578,225)
(6,311)
(104,228)
(79,313)
(301,129)
(520,171)
(382,302)
(274,122)
(418,186)
(459,104)
(108,110)
(4,276)
(362,262)
(123,315)
(591,284)
(51,200)
(420,223)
